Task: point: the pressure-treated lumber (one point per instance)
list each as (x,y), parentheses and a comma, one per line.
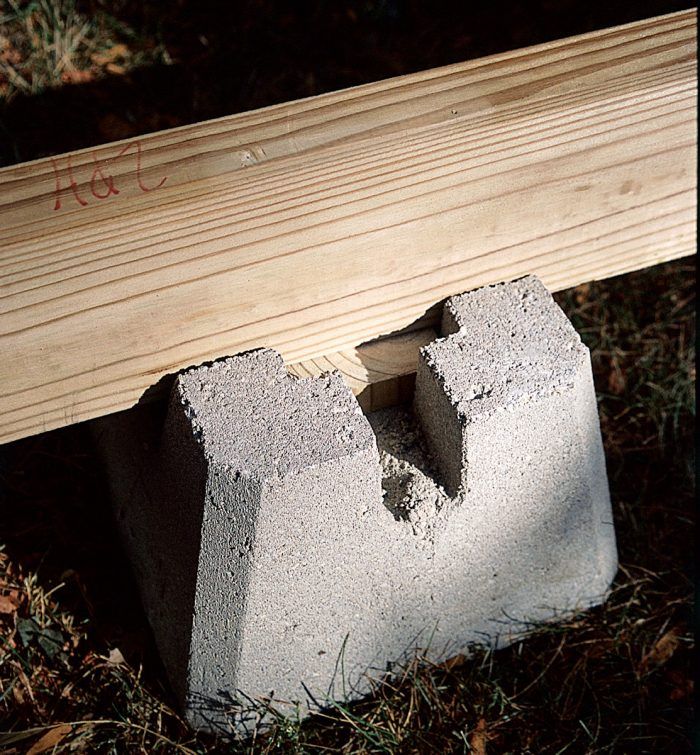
(380,373)
(315,225)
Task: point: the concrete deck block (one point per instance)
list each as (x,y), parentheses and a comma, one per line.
(288,547)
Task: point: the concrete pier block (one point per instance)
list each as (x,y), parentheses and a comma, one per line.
(289,548)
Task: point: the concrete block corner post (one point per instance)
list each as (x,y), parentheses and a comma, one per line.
(285,473)
(508,407)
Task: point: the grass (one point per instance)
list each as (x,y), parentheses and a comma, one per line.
(615,679)
(49,43)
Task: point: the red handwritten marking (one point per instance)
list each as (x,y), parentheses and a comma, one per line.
(142,186)
(107,180)
(101,174)
(73,185)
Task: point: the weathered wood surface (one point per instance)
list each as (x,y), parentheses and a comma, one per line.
(315,225)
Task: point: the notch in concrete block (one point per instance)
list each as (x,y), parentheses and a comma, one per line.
(380,373)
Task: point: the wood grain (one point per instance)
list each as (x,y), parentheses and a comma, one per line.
(380,373)
(315,225)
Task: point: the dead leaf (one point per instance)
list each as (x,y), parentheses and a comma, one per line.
(10,602)
(616,382)
(110,55)
(77,77)
(479,737)
(10,55)
(115,657)
(115,69)
(455,662)
(49,740)
(582,292)
(662,651)
(25,682)
(18,695)
(682,686)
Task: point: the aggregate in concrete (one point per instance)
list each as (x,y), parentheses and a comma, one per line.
(290,548)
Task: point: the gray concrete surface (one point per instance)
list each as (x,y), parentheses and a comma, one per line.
(290,548)
(292,501)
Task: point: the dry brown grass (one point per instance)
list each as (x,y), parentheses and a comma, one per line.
(49,43)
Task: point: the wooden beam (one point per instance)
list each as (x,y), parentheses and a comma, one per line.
(380,373)
(315,225)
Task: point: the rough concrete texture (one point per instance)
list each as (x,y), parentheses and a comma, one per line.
(507,405)
(507,345)
(288,547)
(292,502)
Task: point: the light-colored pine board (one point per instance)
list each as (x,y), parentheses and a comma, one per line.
(380,373)
(315,225)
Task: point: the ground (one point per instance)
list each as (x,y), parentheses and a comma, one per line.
(78,669)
